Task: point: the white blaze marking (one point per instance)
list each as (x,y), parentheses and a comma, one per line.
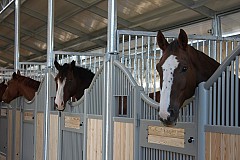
(59,95)
(168,68)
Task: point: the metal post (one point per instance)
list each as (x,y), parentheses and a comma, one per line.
(16,67)
(108,110)
(17,35)
(202,119)
(137,117)
(50,39)
(216,26)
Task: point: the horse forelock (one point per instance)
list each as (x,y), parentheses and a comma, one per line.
(168,68)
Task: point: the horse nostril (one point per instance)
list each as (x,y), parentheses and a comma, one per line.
(171,111)
(62,103)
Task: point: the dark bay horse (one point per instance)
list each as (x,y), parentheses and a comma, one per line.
(3,87)
(20,86)
(71,81)
(181,69)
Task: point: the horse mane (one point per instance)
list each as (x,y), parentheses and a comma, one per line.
(29,82)
(83,73)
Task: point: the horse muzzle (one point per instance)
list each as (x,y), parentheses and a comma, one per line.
(170,117)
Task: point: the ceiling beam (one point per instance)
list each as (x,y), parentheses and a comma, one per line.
(9,8)
(11,41)
(197,7)
(58,23)
(26,32)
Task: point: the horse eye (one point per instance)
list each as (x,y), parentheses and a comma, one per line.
(184,69)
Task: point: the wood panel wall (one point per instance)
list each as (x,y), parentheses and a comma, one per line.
(39,136)
(221,146)
(123,141)
(53,137)
(166,136)
(94,139)
(9,142)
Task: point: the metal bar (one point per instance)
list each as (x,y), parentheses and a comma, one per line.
(210,112)
(135,59)
(220,54)
(129,52)
(109,110)
(147,73)
(232,93)
(223,99)
(17,35)
(227,95)
(50,43)
(218,100)
(236,90)
(142,60)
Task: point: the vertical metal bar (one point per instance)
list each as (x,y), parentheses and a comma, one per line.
(142,61)
(35,127)
(220,53)
(85,124)
(214,103)
(17,35)
(226,49)
(123,49)
(107,150)
(236,90)
(129,53)
(210,107)
(218,100)
(209,48)
(203,46)
(50,43)
(135,60)
(232,93)
(203,95)
(215,50)
(227,95)
(154,64)
(147,74)
(223,98)
(94,64)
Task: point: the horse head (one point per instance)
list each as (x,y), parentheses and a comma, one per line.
(181,69)
(12,90)
(65,82)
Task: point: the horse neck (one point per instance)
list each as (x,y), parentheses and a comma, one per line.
(205,66)
(27,91)
(2,90)
(84,76)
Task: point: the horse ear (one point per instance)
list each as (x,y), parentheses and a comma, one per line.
(162,42)
(73,64)
(57,65)
(14,75)
(182,39)
(18,72)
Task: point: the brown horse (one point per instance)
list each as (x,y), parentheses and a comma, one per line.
(3,87)
(20,86)
(71,81)
(181,69)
